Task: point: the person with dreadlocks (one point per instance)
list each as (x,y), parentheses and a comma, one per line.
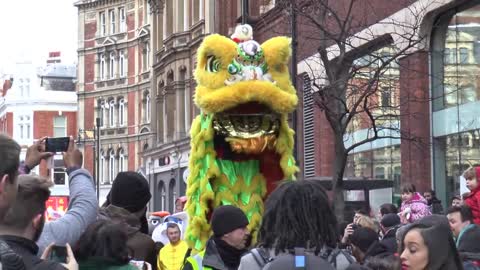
(297,215)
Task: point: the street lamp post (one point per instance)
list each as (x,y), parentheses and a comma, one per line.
(244,11)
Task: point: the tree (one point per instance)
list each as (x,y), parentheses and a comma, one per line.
(354,74)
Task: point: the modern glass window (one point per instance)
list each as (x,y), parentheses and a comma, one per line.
(112,21)
(111,66)
(103,24)
(123,19)
(111,166)
(111,113)
(60,126)
(456,102)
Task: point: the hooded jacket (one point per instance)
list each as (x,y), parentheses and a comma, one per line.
(473,199)
(140,245)
(418,206)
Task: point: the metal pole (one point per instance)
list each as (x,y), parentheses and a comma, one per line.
(244,11)
(98,158)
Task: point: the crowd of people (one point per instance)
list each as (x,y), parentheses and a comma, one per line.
(299,229)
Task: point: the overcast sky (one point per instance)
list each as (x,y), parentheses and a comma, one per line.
(29,29)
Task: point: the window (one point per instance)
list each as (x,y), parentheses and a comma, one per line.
(146,56)
(147,112)
(147,12)
(122,64)
(380,173)
(27,126)
(27,87)
(447,56)
(463,55)
(121,161)
(21,90)
(386,98)
(102,67)
(102,168)
(59,174)
(20,125)
(103,112)
(123,19)
(103,26)
(111,113)
(112,21)
(60,126)
(112,66)
(111,166)
(121,112)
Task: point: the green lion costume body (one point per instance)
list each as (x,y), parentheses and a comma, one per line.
(241,144)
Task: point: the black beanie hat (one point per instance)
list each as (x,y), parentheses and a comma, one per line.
(390,220)
(227,218)
(130,191)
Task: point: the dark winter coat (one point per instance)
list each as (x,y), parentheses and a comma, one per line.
(389,241)
(141,246)
(436,206)
(211,258)
(27,249)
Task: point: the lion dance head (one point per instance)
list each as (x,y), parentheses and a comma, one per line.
(241,144)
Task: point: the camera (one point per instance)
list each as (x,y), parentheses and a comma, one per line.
(55,145)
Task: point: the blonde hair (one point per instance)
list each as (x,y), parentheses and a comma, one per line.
(367,222)
(470,173)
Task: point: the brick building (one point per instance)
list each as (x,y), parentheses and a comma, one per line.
(442,73)
(114,60)
(41,102)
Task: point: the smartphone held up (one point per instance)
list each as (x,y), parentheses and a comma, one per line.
(57,145)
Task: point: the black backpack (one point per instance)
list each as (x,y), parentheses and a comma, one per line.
(299,259)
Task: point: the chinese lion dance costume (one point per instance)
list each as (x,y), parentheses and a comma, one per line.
(241,144)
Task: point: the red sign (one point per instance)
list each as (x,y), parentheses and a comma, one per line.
(56,207)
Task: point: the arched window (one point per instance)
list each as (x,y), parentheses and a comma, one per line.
(111,113)
(163,195)
(101,169)
(121,160)
(111,166)
(171,195)
(111,66)
(102,67)
(122,63)
(121,112)
(148,108)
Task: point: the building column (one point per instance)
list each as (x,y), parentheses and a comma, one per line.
(186,15)
(160,27)
(165,21)
(188,107)
(415,121)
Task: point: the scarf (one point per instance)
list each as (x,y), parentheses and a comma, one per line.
(230,255)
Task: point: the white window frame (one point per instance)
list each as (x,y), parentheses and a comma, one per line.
(20,126)
(103,112)
(121,112)
(121,63)
(113,21)
(27,128)
(147,108)
(123,19)
(102,168)
(102,66)
(121,160)
(27,87)
(103,25)
(111,113)
(111,166)
(64,134)
(111,66)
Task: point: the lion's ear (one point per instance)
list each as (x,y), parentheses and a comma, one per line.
(213,57)
(277,52)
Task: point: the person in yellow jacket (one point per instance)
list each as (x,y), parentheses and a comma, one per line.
(173,255)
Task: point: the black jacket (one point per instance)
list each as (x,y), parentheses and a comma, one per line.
(390,241)
(27,249)
(436,206)
(211,258)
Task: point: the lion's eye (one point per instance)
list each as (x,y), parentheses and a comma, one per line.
(213,64)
